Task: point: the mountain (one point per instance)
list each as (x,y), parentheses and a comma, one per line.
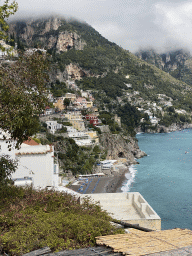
(121,82)
(176,63)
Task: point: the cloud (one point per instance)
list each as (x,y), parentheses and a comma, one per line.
(175,21)
(132,24)
(110,30)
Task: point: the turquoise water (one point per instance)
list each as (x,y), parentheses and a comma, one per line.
(164,177)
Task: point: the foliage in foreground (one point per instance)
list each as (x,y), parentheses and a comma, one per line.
(31,219)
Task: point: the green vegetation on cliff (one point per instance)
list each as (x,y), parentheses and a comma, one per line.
(115,76)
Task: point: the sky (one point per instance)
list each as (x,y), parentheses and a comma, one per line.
(132,24)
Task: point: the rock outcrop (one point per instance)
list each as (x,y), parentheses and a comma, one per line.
(68,40)
(75,72)
(47,33)
(118,146)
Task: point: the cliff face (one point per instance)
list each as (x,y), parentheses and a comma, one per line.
(54,34)
(75,72)
(67,40)
(50,34)
(169,61)
(176,63)
(121,147)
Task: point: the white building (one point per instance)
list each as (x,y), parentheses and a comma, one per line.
(53,126)
(84,94)
(35,163)
(80,138)
(154,120)
(36,166)
(107,164)
(49,111)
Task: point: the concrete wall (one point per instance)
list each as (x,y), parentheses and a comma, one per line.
(36,162)
(38,167)
(129,207)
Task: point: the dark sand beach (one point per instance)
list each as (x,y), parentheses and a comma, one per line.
(106,184)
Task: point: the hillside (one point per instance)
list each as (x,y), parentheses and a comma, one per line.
(177,63)
(121,82)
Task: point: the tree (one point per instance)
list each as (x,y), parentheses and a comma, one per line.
(5,11)
(22,94)
(66,102)
(7,166)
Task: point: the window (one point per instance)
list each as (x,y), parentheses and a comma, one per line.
(55,168)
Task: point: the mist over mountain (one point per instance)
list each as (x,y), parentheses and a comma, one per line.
(117,77)
(177,63)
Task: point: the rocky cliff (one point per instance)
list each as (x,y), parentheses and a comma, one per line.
(177,63)
(119,146)
(168,61)
(47,33)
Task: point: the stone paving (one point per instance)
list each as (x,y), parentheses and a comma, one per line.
(157,243)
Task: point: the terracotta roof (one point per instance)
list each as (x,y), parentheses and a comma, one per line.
(31,142)
(35,153)
(146,243)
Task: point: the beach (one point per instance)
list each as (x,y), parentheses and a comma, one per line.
(107,184)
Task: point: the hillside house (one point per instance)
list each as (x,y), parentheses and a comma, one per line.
(70,96)
(81,138)
(80,103)
(93,135)
(154,120)
(117,119)
(89,104)
(48,111)
(93,119)
(84,94)
(53,126)
(78,124)
(74,115)
(76,119)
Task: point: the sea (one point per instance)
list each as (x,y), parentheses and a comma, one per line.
(164,176)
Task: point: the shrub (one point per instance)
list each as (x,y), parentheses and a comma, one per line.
(31,219)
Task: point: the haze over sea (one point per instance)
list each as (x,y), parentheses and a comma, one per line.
(164,177)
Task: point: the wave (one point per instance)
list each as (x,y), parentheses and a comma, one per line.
(130,178)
